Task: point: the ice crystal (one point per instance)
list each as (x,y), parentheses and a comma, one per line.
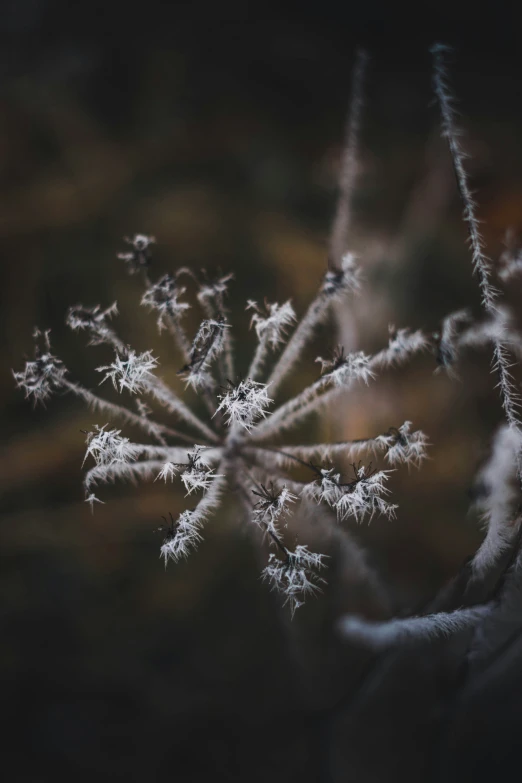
(244,402)
(183,538)
(131,371)
(344,369)
(404,446)
(93,320)
(168,472)
(272,507)
(272,323)
(360,496)
(92,499)
(294,574)
(196,474)
(108,446)
(344,279)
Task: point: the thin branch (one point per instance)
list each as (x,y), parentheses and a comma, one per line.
(259,358)
(287,457)
(348,169)
(166,397)
(158,431)
(481,264)
(428,627)
(106,474)
(325,451)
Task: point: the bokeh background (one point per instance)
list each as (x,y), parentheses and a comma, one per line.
(218,129)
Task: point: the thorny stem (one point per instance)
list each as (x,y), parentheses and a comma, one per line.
(481,264)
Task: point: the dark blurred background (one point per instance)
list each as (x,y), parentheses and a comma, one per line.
(217,127)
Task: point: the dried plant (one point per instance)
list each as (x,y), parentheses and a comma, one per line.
(235,447)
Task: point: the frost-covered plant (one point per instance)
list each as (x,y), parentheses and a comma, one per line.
(481,264)
(234,446)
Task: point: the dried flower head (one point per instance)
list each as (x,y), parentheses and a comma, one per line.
(342,280)
(404,446)
(164,297)
(138,258)
(132,371)
(234,444)
(234,441)
(244,403)
(108,446)
(44,375)
(271,321)
(294,575)
(212,292)
(93,320)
